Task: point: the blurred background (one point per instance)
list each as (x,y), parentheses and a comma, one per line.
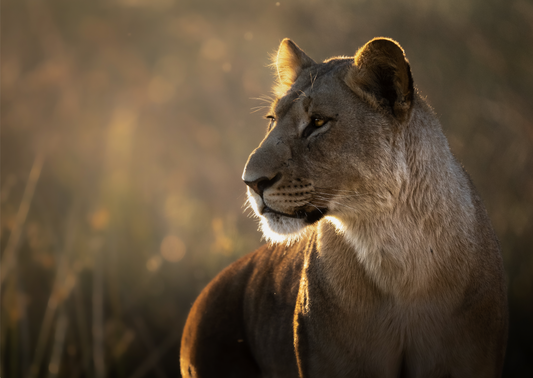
(125,126)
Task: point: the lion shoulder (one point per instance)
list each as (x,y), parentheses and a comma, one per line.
(234,309)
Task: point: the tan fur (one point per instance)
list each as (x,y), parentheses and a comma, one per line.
(289,61)
(383,262)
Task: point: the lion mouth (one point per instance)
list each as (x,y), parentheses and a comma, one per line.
(308,217)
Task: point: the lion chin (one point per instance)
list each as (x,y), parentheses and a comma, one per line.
(282,228)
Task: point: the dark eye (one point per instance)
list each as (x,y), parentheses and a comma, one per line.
(315,123)
(272,119)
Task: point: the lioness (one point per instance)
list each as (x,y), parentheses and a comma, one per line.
(382,261)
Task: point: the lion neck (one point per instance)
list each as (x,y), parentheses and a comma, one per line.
(415,245)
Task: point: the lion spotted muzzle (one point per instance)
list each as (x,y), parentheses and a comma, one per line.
(276,199)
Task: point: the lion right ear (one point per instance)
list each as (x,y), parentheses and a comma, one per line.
(289,61)
(381,75)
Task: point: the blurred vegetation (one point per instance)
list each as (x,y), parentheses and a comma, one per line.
(125,126)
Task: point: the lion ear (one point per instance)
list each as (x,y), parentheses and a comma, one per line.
(289,61)
(382,76)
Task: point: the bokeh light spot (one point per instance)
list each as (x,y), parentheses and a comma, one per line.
(226,67)
(99,219)
(154,263)
(213,49)
(172,248)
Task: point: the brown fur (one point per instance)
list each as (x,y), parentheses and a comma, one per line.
(383,261)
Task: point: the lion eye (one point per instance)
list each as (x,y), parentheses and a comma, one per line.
(271,119)
(317,122)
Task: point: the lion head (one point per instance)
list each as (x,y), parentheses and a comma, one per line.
(332,148)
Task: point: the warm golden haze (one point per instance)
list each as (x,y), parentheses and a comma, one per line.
(124,129)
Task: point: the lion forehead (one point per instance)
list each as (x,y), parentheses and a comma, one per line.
(313,80)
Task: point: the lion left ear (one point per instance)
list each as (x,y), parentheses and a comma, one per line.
(289,61)
(382,76)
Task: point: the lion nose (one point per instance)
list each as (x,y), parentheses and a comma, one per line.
(262,183)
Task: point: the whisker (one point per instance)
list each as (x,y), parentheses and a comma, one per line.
(309,203)
(330,200)
(263,98)
(339,196)
(337,190)
(255,109)
(313,79)
(342,205)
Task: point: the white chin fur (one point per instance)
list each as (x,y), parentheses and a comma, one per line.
(279,229)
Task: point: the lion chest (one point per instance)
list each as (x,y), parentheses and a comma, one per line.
(371,335)
(297,324)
